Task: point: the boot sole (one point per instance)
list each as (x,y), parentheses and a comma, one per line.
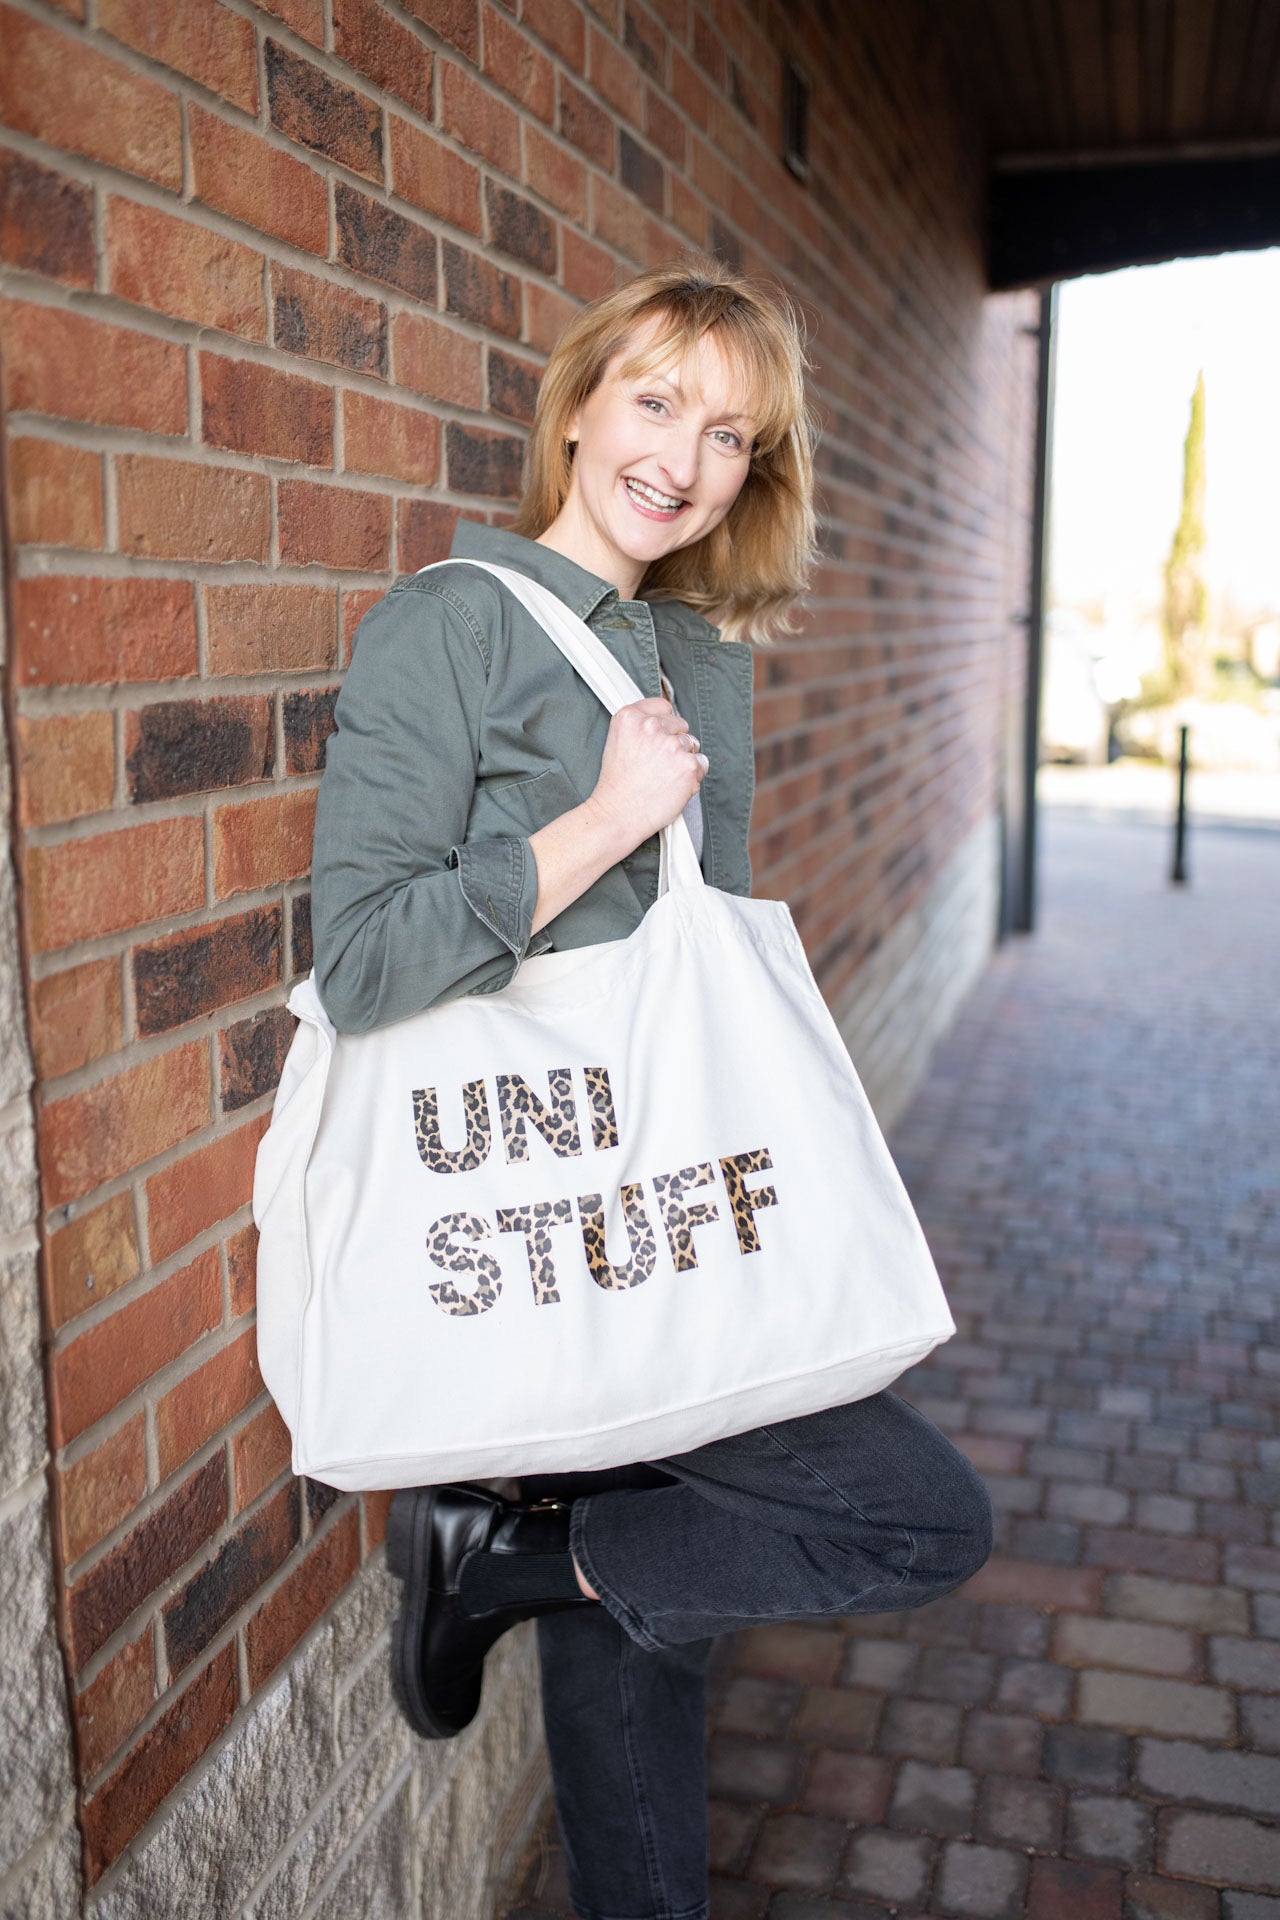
(409,1559)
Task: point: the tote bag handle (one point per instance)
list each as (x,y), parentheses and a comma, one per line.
(612,685)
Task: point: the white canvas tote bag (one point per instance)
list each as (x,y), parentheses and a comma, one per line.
(633,1202)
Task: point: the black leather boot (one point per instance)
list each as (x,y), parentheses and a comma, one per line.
(438,1646)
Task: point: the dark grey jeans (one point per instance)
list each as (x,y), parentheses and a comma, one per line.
(862,1509)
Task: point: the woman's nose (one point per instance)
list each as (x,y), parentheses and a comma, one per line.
(679,462)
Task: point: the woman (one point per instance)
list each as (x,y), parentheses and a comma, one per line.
(479,806)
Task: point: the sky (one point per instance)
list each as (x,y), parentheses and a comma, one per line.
(1129,347)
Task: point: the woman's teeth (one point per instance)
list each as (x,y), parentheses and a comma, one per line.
(650,497)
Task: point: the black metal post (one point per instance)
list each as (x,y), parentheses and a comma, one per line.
(1179,875)
(1022,919)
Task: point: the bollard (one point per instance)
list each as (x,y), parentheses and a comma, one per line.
(1179,875)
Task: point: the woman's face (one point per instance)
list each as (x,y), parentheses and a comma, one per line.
(661,458)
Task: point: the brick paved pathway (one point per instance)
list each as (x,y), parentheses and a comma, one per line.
(1091,1729)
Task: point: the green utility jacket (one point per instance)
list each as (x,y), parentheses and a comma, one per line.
(460,731)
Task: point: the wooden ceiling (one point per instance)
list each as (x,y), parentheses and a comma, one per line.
(1058,78)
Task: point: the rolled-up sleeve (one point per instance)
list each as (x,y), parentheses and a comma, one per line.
(406,911)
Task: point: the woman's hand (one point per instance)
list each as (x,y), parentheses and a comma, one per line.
(650,770)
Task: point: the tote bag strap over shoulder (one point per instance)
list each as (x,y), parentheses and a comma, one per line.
(611,684)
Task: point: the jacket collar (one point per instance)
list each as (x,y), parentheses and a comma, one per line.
(580,590)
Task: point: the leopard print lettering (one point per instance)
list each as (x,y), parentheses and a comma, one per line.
(558,1123)
(426,1126)
(442,1253)
(680,1220)
(743,1205)
(604,1119)
(535,1223)
(644,1248)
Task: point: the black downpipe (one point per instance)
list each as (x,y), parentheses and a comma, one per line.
(1023,916)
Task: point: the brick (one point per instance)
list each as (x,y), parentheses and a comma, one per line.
(259,1455)
(948,1673)
(1149,1898)
(66,766)
(1232,1851)
(74,368)
(1104,1506)
(317,112)
(249,408)
(1133,1552)
(457,21)
(243,176)
(559,24)
(319,1499)
(1035,1687)
(1182,1770)
(981,1881)
(731,1831)
(383,51)
(122,1806)
(306,17)
(1052,1541)
(1020,1813)
(613,73)
(989,1453)
(838,1717)
(1118,1832)
(281,1622)
(207,1399)
(106,1129)
(1022,1583)
(1086,1756)
(197,746)
(1155,1706)
(252,1055)
(380,436)
(173,266)
(308,723)
(244,1563)
(555,174)
(110,1361)
(921,1730)
(586,126)
(101,1489)
(885,1664)
(375,240)
(103,1598)
(242,1256)
(645,41)
(209,1185)
(1016,1630)
(1069,1890)
(795,1850)
(893,1867)
(1245,1906)
(204,41)
(519,228)
(55,495)
(1079,1641)
(752,1705)
(808,1654)
(1165,1513)
(1254,1664)
(1177,1604)
(480,461)
(1002,1743)
(665,127)
(67,94)
(933,1799)
(326,322)
(259,843)
(86,1261)
(618,220)
(87,632)
(641,172)
(1257,1568)
(300,935)
(471,114)
(107,1712)
(271,629)
(424,533)
(589,271)
(436,360)
(376,1507)
(46,221)
(191,973)
(76,1016)
(434,177)
(174,510)
(517,66)
(333,527)
(853,1787)
(476,290)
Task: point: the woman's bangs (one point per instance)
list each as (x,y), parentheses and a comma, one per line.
(766,374)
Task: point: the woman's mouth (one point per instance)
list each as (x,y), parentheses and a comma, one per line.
(653,504)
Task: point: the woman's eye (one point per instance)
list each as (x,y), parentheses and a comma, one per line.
(647,400)
(728,439)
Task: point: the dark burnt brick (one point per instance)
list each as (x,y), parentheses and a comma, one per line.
(519,228)
(513,386)
(185,1730)
(249,408)
(302,1596)
(327,322)
(308,722)
(476,290)
(642,38)
(424,532)
(375,240)
(307,106)
(191,973)
(300,935)
(1068,1890)
(641,171)
(46,221)
(197,746)
(253,1054)
(319,1499)
(235,1573)
(585,126)
(164,1541)
(738,93)
(725,244)
(482,462)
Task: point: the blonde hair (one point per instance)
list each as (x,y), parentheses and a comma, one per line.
(756,562)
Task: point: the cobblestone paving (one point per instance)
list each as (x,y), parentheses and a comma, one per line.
(1090,1730)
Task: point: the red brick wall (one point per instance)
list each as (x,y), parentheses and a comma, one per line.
(277,282)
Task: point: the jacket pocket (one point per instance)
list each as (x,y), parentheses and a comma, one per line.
(523,804)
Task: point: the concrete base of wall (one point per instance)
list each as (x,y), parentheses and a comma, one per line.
(907,994)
